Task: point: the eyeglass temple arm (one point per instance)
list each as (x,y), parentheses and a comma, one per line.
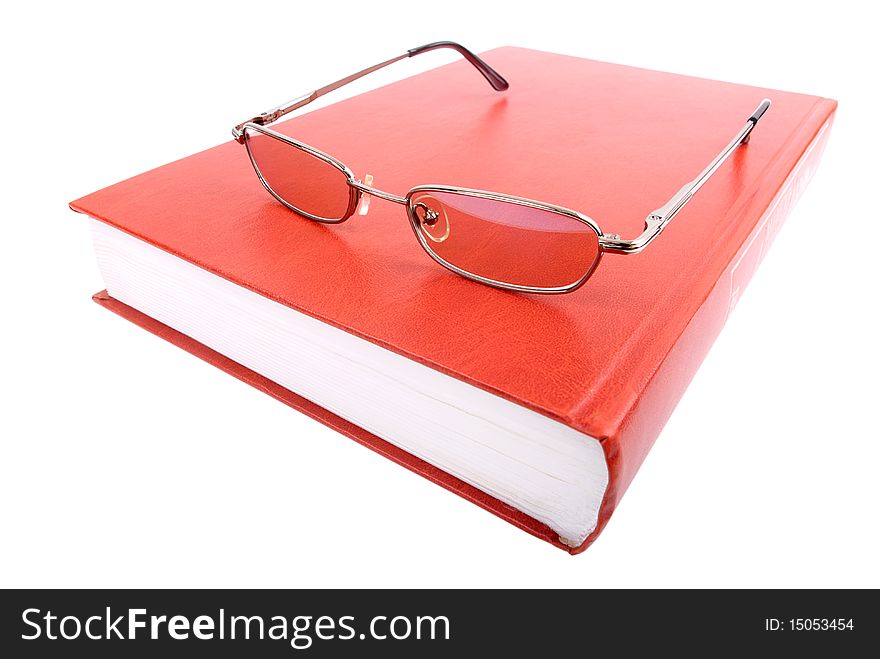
(495,79)
(659,218)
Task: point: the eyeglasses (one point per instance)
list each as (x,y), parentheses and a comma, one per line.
(477,234)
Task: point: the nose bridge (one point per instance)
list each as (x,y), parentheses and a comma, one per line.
(381,194)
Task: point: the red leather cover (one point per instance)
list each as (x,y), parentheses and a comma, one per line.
(610,360)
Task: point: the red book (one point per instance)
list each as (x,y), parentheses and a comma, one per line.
(592,375)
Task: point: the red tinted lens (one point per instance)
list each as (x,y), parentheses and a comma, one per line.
(505,242)
(306,182)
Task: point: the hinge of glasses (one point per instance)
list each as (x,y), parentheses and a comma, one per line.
(266,117)
(261,120)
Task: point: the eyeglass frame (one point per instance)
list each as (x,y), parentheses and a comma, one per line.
(655,222)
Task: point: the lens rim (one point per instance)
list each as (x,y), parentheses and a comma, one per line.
(522,201)
(354,194)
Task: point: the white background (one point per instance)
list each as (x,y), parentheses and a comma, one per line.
(127,462)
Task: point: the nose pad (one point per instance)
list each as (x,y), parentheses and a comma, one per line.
(432,218)
(364,206)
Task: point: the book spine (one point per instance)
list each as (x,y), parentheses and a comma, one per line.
(626,450)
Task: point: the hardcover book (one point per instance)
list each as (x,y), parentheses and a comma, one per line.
(539,408)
